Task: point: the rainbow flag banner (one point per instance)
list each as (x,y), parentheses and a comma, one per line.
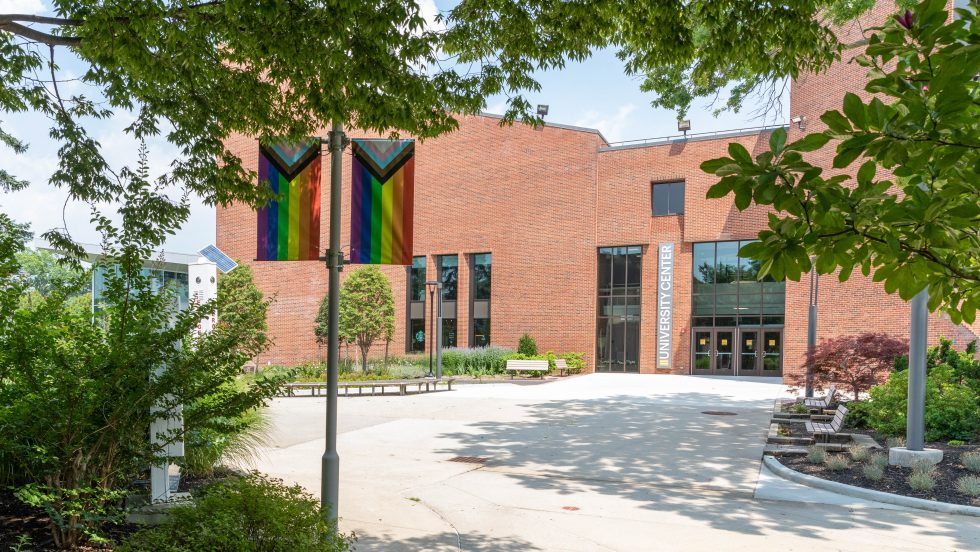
(289,228)
(382,201)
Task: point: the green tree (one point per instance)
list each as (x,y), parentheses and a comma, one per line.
(527,346)
(201,72)
(243,306)
(367,309)
(911,217)
(12,238)
(79,391)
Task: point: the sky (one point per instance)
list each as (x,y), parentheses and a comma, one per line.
(595,93)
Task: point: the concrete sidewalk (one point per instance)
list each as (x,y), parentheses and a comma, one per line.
(597,462)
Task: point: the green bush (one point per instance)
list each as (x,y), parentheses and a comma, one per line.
(971,461)
(859,452)
(837,462)
(816,455)
(858,414)
(475,361)
(879,459)
(922,481)
(873,472)
(243,514)
(527,345)
(951,406)
(969,485)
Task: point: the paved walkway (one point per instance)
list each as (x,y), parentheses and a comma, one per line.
(590,463)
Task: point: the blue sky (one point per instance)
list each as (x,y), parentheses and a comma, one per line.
(595,93)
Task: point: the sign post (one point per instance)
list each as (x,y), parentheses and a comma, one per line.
(665,304)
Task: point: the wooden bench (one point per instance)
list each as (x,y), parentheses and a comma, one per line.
(533,366)
(821,402)
(318,388)
(563,367)
(825,429)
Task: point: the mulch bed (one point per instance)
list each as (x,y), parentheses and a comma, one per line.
(895,479)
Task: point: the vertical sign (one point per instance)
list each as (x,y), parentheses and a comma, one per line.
(665,304)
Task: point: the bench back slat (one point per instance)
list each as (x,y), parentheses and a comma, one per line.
(560,363)
(839,416)
(527,364)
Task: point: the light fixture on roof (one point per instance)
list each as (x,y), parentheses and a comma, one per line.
(799,121)
(683,125)
(542,110)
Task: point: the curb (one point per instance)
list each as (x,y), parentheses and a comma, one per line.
(867,494)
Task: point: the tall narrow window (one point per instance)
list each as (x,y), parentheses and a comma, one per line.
(667,198)
(449,276)
(416,306)
(480,301)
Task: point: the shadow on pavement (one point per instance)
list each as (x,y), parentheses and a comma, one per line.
(448,542)
(665,455)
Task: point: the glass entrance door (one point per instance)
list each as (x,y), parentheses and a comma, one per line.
(749,359)
(741,351)
(714,351)
(772,353)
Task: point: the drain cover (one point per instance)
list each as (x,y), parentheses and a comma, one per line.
(719,413)
(469,460)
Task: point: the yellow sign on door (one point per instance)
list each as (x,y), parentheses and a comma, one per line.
(748,342)
(724,342)
(703,341)
(772,342)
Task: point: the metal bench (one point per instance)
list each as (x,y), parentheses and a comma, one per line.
(376,387)
(533,366)
(825,429)
(821,403)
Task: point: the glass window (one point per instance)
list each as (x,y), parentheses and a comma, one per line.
(481,276)
(727,290)
(448,332)
(417,335)
(481,332)
(667,198)
(449,275)
(417,279)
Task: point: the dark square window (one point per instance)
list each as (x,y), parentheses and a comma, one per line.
(668,198)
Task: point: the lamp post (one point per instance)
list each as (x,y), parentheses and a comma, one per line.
(435,327)
(811,333)
(432,321)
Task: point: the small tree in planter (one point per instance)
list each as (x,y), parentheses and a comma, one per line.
(855,361)
(367,309)
(527,346)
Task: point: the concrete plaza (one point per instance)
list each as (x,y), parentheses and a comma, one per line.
(589,463)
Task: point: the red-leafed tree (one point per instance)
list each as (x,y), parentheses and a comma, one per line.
(857,361)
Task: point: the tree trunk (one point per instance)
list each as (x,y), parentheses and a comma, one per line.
(364,353)
(386,353)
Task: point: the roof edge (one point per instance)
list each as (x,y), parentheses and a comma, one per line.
(680,138)
(554,125)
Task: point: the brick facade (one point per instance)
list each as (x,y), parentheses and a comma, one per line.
(542,202)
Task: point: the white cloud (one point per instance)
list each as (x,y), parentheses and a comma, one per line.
(429,11)
(612,126)
(33,7)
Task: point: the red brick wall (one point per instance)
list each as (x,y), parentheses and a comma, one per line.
(524,195)
(542,202)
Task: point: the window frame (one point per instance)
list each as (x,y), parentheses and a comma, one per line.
(670,188)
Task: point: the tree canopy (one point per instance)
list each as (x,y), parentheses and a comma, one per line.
(367,309)
(909,216)
(200,72)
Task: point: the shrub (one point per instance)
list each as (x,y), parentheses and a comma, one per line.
(243,514)
(951,407)
(859,452)
(969,485)
(858,414)
(956,442)
(837,462)
(527,345)
(924,468)
(816,455)
(575,361)
(873,472)
(230,440)
(476,361)
(879,459)
(921,481)
(856,361)
(971,461)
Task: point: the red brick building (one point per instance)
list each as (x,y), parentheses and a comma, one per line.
(559,234)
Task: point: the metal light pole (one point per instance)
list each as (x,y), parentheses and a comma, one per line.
(330,462)
(919,332)
(438,335)
(432,321)
(811,331)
